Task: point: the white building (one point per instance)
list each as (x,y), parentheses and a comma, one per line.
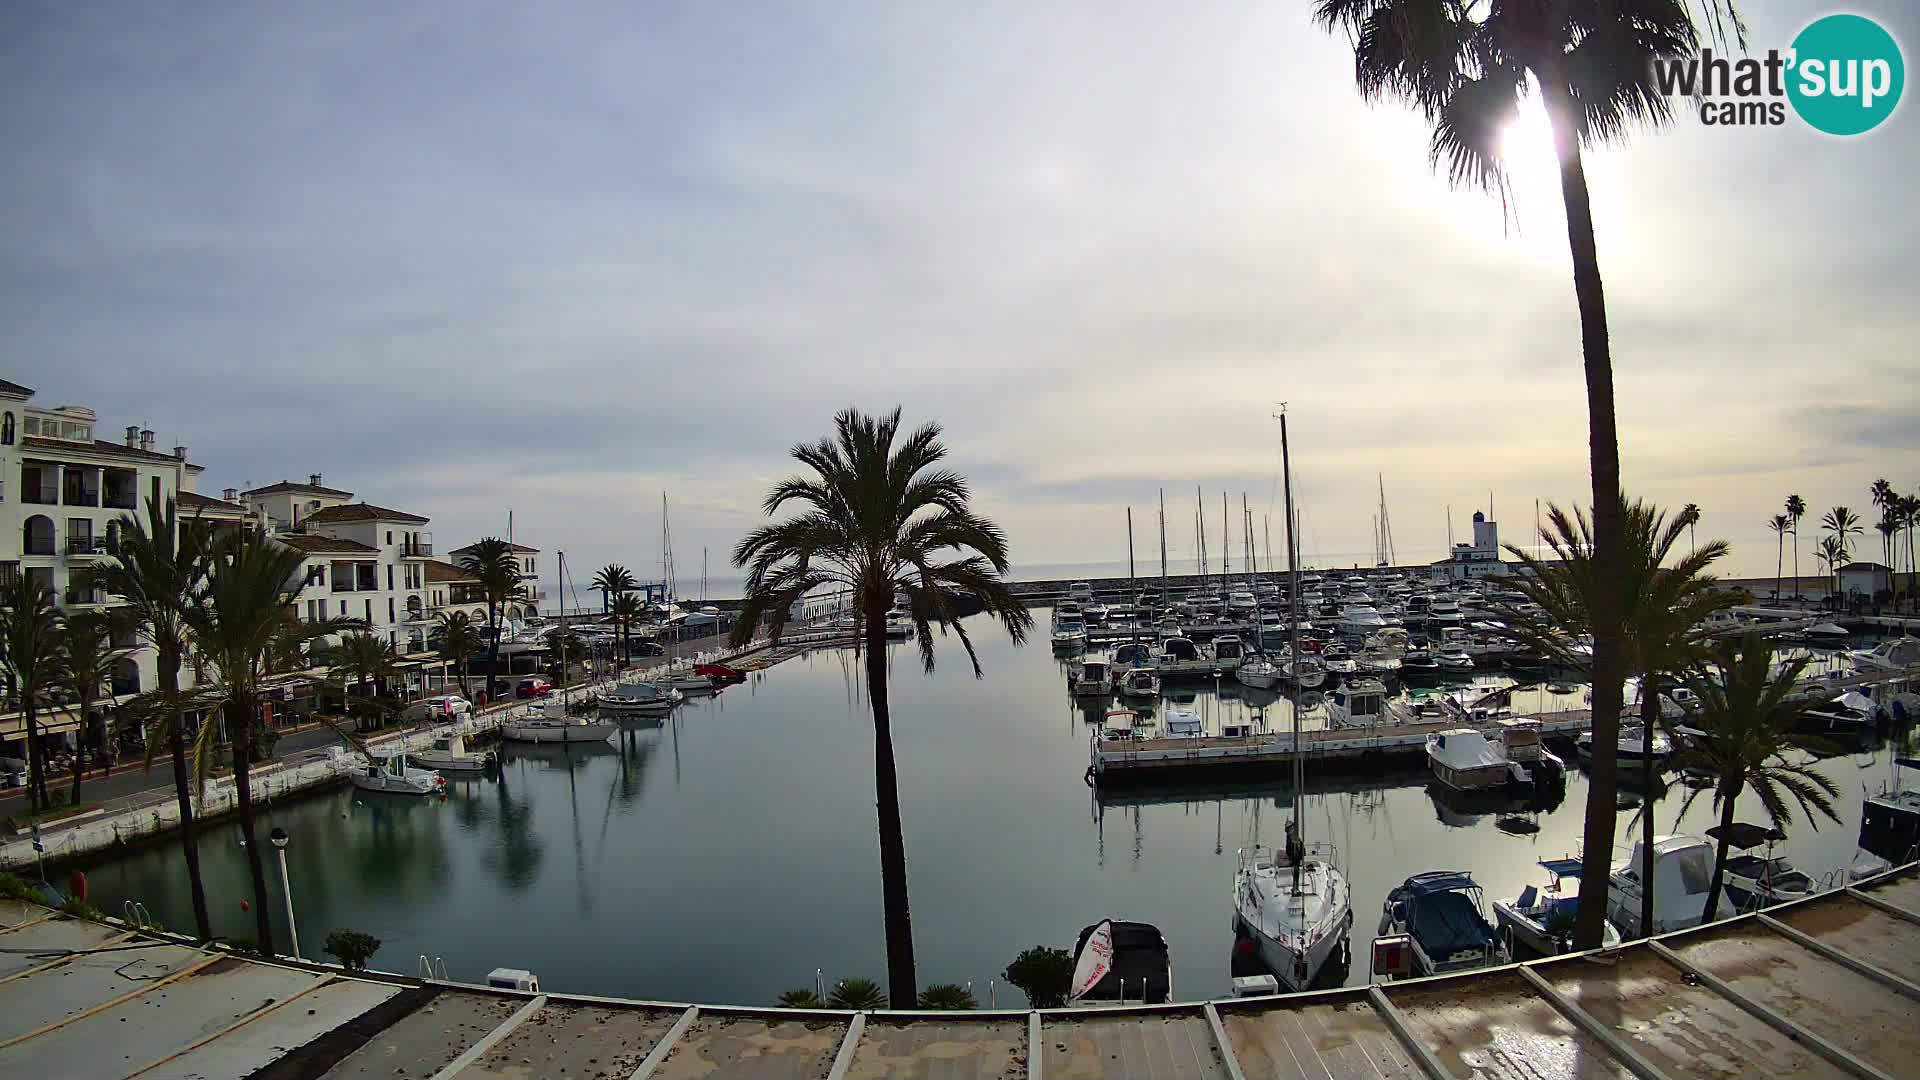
(1865,580)
(1476,560)
(287,504)
(527,560)
(62,492)
(364,562)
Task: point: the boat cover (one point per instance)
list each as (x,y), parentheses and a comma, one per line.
(1565,868)
(1448,922)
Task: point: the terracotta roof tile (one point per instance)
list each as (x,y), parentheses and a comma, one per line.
(14,388)
(325,545)
(360,511)
(290,486)
(446,573)
(111,449)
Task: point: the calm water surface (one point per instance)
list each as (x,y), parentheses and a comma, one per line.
(726,854)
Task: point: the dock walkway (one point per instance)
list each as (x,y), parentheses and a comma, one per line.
(1827,987)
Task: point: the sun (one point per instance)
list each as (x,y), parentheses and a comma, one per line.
(1527,142)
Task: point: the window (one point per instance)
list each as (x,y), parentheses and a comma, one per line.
(389,609)
(389,576)
(156,491)
(313,612)
(323,610)
(389,536)
(369,605)
(6,430)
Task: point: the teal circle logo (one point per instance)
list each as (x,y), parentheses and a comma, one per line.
(1847,74)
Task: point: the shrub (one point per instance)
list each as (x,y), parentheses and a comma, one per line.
(352,948)
(947,997)
(16,889)
(1044,975)
(801,999)
(857,994)
(80,909)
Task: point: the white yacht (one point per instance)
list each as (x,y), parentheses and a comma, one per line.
(1069,632)
(1228,651)
(1081,593)
(1361,620)
(1093,679)
(1240,603)
(1464,759)
(1454,660)
(389,772)
(1182,722)
(1358,703)
(1632,745)
(1307,671)
(1893,654)
(1682,871)
(449,754)
(1258,672)
(1142,683)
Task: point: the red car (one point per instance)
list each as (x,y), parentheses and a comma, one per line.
(533,687)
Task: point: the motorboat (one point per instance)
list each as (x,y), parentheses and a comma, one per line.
(390,772)
(553,725)
(1338,661)
(1443,914)
(1120,961)
(1893,654)
(643,698)
(449,754)
(1119,726)
(1228,651)
(1826,631)
(1131,655)
(1357,703)
(1631,746)
(1682,872)
(1182,722)
(899,628)
(704,616)
(1308,672)
(1464,759)
(1258,672)
(1851,714)
(1069,632)
(1391,641)
(1241,602)
(687,681)
(1180,656)
(1523,743)
(1295,907)
(1540,919)
(1093,679)
(1418,662)
(1755,881)
(1097,614)
(1080,592)
(1141,682)
(1453,660)
(1361,620)
(1890,821)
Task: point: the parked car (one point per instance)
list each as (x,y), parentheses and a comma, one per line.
(649,648)
(443,707)
(533,686)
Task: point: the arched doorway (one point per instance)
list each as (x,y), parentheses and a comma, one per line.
(38,538)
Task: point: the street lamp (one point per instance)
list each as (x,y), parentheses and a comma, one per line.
(279,838)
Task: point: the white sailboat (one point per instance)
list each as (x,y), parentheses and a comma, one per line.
(553,724)
(1294,904)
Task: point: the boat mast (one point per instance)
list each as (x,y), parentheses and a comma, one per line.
(1163,547)
(1296,829)
(1200,532)
(1226,546)
(1132,594)
(561,557)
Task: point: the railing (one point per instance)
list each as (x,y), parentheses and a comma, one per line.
(115,500)
(86,545)
(84,596)
(82,497)
(42,497)
(416,549)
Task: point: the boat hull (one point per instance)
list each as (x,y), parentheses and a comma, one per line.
(466,763)
(543,732)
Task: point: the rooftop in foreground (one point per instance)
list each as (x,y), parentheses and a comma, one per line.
(1827,987)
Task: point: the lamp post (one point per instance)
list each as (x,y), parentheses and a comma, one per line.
(279,838)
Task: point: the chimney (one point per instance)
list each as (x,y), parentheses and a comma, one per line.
(313,479)
(231,495)
(133,434)
(179,453)
(146,438)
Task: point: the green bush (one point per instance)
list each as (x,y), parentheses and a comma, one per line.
(1044,975)
(801,999)
(857,994)
(947,997)
(15,889)
(352,948)
(80,909)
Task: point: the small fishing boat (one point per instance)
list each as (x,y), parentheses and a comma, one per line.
(1452,660)
(1540,919)
(1755,881)
(1119,961)
(1359,703)
(553,725)
(1228,652)
(639,697)
(1632,745)
(1682,870)
(449,754)
(1141,682)
(389,772)
(1443,914)
(1466,760)
(1093,679)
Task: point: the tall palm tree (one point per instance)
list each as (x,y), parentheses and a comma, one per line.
(1748,710)
(612,580)
(1664,607)
(1466,65)
(244,616)
(364,657)
(156,570)
(627,609)
(459,641)
(1834,555)
(1889,529)
(1690,517)
(1888,502)
(84,668)
(1841,525)
(1780,524)
(1796,509)
(492,563)
(30,655)
(881,520)
(1910,516)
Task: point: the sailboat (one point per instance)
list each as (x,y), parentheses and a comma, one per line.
(554,724)
(1294,904)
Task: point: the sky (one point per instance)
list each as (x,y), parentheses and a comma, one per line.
(563,258)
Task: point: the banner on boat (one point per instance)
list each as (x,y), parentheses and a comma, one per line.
(1096,960)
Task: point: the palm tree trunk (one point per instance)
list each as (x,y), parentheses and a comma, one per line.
(1779,561)
(80,747)
(893,843)
(1719,854)
(183,794)
(1649,716)
(36,764)
(240,728)
(1609,526)
(1796,563)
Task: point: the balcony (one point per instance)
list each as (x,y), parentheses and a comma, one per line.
(40,496)
(86,545)
(9,574)
(121,500)
(83,597)
(420,546)
(80,495)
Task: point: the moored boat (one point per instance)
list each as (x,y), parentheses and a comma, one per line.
(1443,915)
(449,754)
(1120,961)
(638,697)
(1094,678)
(391,773)
(553,725)
(1682,871)
(1540,919)
(1141,682)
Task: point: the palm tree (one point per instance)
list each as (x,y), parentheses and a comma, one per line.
(627,609)
(1842,525)
(1889,529)
(1796,509)
(562,641)
(1910,516)
(1748,710)
(1780,524)
(612,580)
(459,641)
(30,656)
(1466,65)
(1834,555)
(1690,517)
(491,561)
(245,614)
(1664,607)
(157,570)
(881,521)
(84,667)
(1888,501)
(364,657)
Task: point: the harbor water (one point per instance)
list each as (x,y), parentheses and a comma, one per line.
(725,853)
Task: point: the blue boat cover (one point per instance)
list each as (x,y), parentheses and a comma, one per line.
(1439,881)
(1448,922)
(1562,867)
